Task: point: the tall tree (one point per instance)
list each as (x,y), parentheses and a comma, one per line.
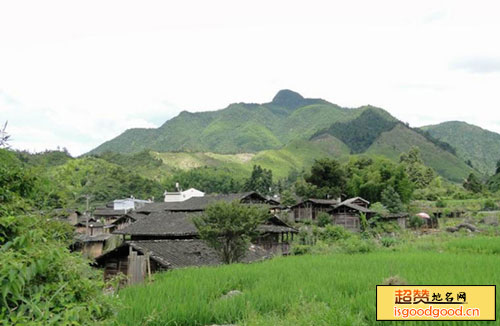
(261,180)
(419,174)
(229,228)
(472,183)
(391,200)
(329,175)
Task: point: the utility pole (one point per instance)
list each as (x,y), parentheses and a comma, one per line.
(87,199)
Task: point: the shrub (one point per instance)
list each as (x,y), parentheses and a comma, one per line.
(440,203)
(306,236)
(324,219)
(489,205)
(415,222)
(333,233)
(388,241)
(229,227)
(301,249)
(356,245)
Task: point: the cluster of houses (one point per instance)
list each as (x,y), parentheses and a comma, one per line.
(138,237)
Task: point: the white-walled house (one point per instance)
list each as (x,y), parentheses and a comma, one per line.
(129,204)
(182,195)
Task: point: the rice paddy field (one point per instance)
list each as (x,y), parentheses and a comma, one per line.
(334,288)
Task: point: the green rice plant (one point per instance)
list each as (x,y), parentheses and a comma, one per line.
(329,289)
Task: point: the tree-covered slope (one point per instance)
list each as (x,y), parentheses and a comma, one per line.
(401,139)
(283,135)
(295,156)
(362,131)
(239,128)
(479,146)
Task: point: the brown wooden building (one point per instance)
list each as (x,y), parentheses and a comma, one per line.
(310,208)
(347,214)
(136,259)
(91,246)
(166,234)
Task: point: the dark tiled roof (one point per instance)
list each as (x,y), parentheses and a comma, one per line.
(101,211)
(351,200)
(275,225)
(163,224)
(395,215)
(353,206)
(133,216)
(194,204)
(176,224)
(82,220)
(95,238)
(318,201)
(183,253)
(324,201)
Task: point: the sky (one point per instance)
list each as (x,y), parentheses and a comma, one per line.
(74,74)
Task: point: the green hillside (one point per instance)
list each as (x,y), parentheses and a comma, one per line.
(400,139)
(480,147)
(239,128)
(295,156)
(284,135)
(362,131)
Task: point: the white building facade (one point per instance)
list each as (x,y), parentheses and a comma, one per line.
(178,196)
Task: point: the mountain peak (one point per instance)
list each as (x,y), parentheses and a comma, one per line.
(288,99)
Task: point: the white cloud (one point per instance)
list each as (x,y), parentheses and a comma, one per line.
(480,65)
(77,74)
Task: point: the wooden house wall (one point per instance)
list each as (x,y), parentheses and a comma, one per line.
(274,243)
(309,211)
(302,212)
(402,222)
(348,220)
(81,229)
(92,249)
(96,231)
(119,264)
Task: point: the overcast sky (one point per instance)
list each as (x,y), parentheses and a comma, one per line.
(77,73)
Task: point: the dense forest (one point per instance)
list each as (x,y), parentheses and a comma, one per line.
(42,283)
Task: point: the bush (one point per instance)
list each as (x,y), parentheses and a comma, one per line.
(440,203)
(388,241)
(301,249)
(489,205)
(355,245)
(306,236)
(416,222)
(41,282)
(324,219)
(332,233)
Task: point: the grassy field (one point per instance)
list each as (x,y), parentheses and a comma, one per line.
(297,155)
(329,289)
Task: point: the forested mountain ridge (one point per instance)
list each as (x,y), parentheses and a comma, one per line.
(286,134)
(239,128)
(477,146)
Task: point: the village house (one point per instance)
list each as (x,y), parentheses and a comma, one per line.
(91,246)
(129,204)
(400,218)
(348,214)
(93,233)
(309,209)
(67,215)
(137,259)
(162,228)
(199,204)
(178,196)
